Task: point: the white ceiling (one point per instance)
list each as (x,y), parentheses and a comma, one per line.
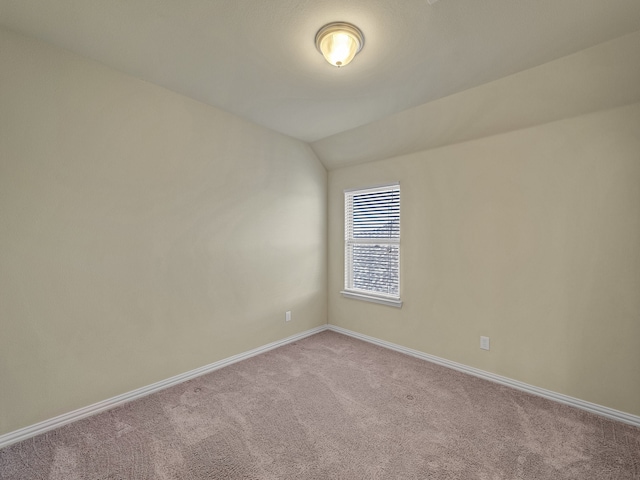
(598,78)
(257,58)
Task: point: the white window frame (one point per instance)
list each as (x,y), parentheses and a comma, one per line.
(349,290)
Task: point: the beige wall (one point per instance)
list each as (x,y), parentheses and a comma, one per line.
(142,234)
(531,238)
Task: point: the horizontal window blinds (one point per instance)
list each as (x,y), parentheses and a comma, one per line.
(372,241)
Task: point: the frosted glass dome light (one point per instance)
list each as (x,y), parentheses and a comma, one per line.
(339,42)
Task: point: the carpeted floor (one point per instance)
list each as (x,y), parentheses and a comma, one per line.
(332,407)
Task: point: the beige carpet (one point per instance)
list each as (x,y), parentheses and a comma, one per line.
(332,407)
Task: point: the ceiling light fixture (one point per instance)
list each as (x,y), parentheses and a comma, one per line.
(339,42)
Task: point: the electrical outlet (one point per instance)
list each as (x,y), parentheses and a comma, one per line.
(484,343)
(287,316)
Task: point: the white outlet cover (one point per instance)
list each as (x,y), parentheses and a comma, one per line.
(484,343)
(287,316)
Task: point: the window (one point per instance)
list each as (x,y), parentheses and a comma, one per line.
(372,244)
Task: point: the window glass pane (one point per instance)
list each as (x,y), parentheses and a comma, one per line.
(376,215)
(376,268)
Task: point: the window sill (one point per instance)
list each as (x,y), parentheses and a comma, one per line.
(371,298)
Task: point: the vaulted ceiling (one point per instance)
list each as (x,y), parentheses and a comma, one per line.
(257,59)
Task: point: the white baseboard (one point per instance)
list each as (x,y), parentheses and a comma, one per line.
(56,422)
(541,392)
(558,397)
